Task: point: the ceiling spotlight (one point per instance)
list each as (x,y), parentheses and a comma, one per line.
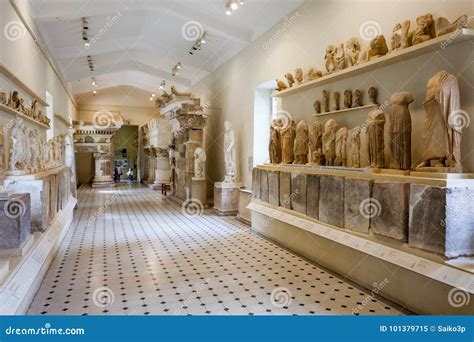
(87,44)
(153,95)
(85,24)
(241,2)
(178,65)
(94,82)
(151,98)
(162,84)
(228,10)
(203,39)
(94,92)
(234,5)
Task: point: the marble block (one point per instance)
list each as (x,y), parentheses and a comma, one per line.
(274,187)
(358,206)
(285,190)
(226,198)
(256,183)
(442,220)
(199,189)
(264,185)
(312,196)
(393,201)
(245,215)
(331,200)
(298,192)
(15,220)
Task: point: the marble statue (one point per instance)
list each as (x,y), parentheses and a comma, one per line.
(325,100)
(443,26)
(229,153)
(315,143)
(35,151)
(15,100)
(357,98)
(372,95)
(354,147)
(340,57)
(291,80)
(341,147)
(375,138)
(301,143)
(3,97)
(274,148)
(18,147)
(281,85)
(425,29)
(401,37)
(313,74)
(69,153)
(443,123)
(353,50)
(378,47)
(347,98)
(3,193)
(317,107)
(287,135)
(396,39)
(400,130)
(335,100)
(330,61)
(199,162)
(299,75)
(329,141)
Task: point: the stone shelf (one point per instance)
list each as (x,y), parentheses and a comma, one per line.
(12,111)
(398,56)
(10,75)
(347,110)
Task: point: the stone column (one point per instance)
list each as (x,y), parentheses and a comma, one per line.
(146,167)
(103,171)
(151,166)
(163,170)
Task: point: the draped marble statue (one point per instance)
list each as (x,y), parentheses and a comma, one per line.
(274,147)
(444,121)
(354,147)
(315,143)
(301,143)
(375,133)
(400,130)
(329,141)
(288,142)
(229,153)
(341,147)
(199,162)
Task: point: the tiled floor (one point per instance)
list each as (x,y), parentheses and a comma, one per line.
(130,252)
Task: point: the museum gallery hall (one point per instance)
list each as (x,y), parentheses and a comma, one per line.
(225,157)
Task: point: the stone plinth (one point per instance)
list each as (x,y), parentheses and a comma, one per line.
(274,187)
(15,221)
(256,183)
(226,198)
(103,171)
(358,207)
(312,196)
(285,189)
(392,200)
(264,185)
(199,190)
(331,200)
(244,215)
(298,192)
(442,220)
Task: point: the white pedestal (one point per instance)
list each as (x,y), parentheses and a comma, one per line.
(226,198)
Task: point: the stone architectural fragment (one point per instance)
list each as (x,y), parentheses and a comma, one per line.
(15,221)
(274,187)
(264,185)
(331,200)
(298,192)
(312,196)
(357,210)
(285,190)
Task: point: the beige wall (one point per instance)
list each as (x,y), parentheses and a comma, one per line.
(131,115)
(301,43)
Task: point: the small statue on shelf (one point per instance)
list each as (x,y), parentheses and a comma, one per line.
(372,95)
(287,135)
(329,141)
(3,98)
(357,98)
(354,148)
(15,100)
(299,75)
(317,107)
(443,26)
(313,74)
(396,40)
(340,57)
(281,85)
(401,37)
(301,143)
(347,98)
(289,77)
(177,93)
(274,148)
(400,130)
(199,162)
(378,47)
(425,29)
(341,147)
(330,62)
(315,143)
(375,133)
(335,99)
(353,50)
(325,101)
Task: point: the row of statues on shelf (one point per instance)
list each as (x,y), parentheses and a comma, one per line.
(332,145)
(14,101)
(340,56)
(31,153)
(352,99)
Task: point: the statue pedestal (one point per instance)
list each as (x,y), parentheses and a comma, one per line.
(226,198)
(199,189)
(15,224)
(103,171)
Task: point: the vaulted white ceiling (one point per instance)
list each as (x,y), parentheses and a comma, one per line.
(137,42)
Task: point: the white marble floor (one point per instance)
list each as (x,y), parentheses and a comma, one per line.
(131,252)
